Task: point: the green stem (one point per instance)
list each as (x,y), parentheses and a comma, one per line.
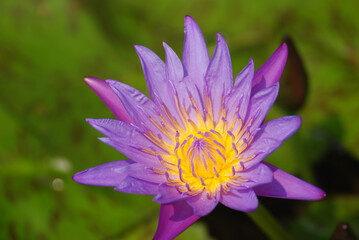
(269,225)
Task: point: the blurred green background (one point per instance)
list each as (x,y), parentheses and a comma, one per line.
(48,46)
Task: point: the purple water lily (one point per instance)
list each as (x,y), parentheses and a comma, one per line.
(200,140)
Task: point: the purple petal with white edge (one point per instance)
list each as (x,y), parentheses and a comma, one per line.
(201,204)
(106,94)
(168,194)
(143,172)
(272,70)
(240,94)
(174,219)
(269,137)
(108,174)
(137,186)
(219,76)
(257,175)
(140,108)
(285,185)
(243,200)
(195,55)
(260,104)
(127,139)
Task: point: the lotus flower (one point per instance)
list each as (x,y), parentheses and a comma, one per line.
(200,140)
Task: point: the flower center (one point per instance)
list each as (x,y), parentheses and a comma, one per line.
(205,160)
(202,156)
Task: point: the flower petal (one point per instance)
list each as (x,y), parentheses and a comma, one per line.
(144,112)
(272,70)
(168,194)
(161,87)
(153,69)
(133,152)
(174,219)
(179,85)
(257,175)
(106,94)
(174,67)
(269,137)
(201,204)
(260,104)
(127,139)
(239,96)
(285,185)
(195,55)
(141,171)
(219,76)
(108,174)
(244,200)
(137,186)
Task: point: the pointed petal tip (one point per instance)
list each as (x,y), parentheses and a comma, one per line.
(78,177)
(283,47)
(219,37)
(93,122)
(139,49)
(188,19)
(108,96)
(273,68)
(190,23)
(287,186)
(251,63)
(322,195)
(91,80)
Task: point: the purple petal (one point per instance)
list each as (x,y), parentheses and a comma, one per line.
(137,186)
(167,194)
(273,68)
(160,87)
(240,94)
(133,152)
(244,200)
(285,185)
(201,204)
(260,104)
(108,174)
(143,172)
(174,67)
(184,86)
(269,137)
(174,219)
(107,95)
(219,76)
(140,108)
(258,175)
(126,139)
(115,128)
(153,69)
(195,55)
